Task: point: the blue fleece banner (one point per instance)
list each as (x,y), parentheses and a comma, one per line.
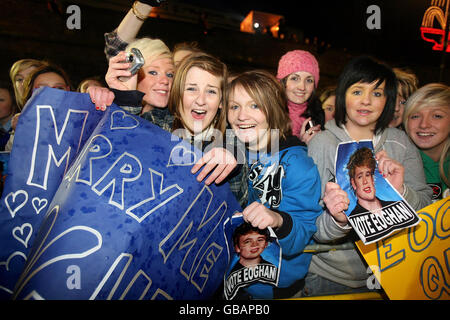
(103,206)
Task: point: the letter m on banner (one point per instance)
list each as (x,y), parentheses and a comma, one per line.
(55,151)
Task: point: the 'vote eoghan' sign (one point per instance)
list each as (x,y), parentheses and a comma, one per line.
(376,209)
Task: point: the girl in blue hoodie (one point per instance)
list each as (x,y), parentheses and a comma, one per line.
(284,183)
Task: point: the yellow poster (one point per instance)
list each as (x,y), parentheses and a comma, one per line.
(415,263)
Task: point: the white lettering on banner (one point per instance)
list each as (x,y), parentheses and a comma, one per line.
(126,168)
(97,148)
(157,199)
(211,255)
(115,276)
(34,295)
(38,175)
(33,268)
(179,237)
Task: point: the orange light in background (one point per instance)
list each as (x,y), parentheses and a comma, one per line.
(247,23)
(275,30)
(263,20)
(434,27)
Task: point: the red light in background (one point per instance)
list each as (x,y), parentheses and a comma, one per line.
(429,34)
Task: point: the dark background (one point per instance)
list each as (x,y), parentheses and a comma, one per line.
(37,29)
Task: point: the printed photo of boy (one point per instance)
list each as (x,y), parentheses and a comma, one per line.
(254,263)
(361,170)
(375,208)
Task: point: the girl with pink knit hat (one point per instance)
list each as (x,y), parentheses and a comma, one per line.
(298,71)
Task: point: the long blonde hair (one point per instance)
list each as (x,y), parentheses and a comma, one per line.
(17,67)
(407,80)
(433,94)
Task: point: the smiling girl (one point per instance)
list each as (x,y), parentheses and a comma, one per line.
(46,75)
(197,94)
(427,122)
(153,80)
(283,182)
(365,103)
(298,72)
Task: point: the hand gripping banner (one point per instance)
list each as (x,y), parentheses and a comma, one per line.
(103,206)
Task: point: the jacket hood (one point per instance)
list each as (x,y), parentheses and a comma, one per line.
(290,141)
(342,136)
(338,132)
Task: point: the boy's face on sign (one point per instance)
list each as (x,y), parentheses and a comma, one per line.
(363,183)
(251,245)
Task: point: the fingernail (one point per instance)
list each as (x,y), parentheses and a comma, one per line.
(97,108)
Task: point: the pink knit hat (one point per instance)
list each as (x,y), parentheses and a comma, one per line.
(298,60)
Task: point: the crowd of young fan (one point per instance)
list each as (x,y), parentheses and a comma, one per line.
(191,93)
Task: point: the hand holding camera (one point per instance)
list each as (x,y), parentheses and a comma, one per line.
(136,61)
(123,68)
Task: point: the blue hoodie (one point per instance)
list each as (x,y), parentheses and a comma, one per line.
(287,182)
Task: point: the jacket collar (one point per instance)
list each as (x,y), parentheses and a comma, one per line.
(342,136)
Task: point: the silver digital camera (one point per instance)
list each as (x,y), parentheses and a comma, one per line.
(136,59)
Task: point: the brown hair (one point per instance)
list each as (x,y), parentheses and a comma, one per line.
(267,92)
(361,158)
(407,80)
(187,46)
(17,67)
(45,68)
(205,62)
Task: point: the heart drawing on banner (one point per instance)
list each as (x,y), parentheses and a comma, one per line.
(181,156)
(19,234)
(122,120)
(15,201)
(39,204)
